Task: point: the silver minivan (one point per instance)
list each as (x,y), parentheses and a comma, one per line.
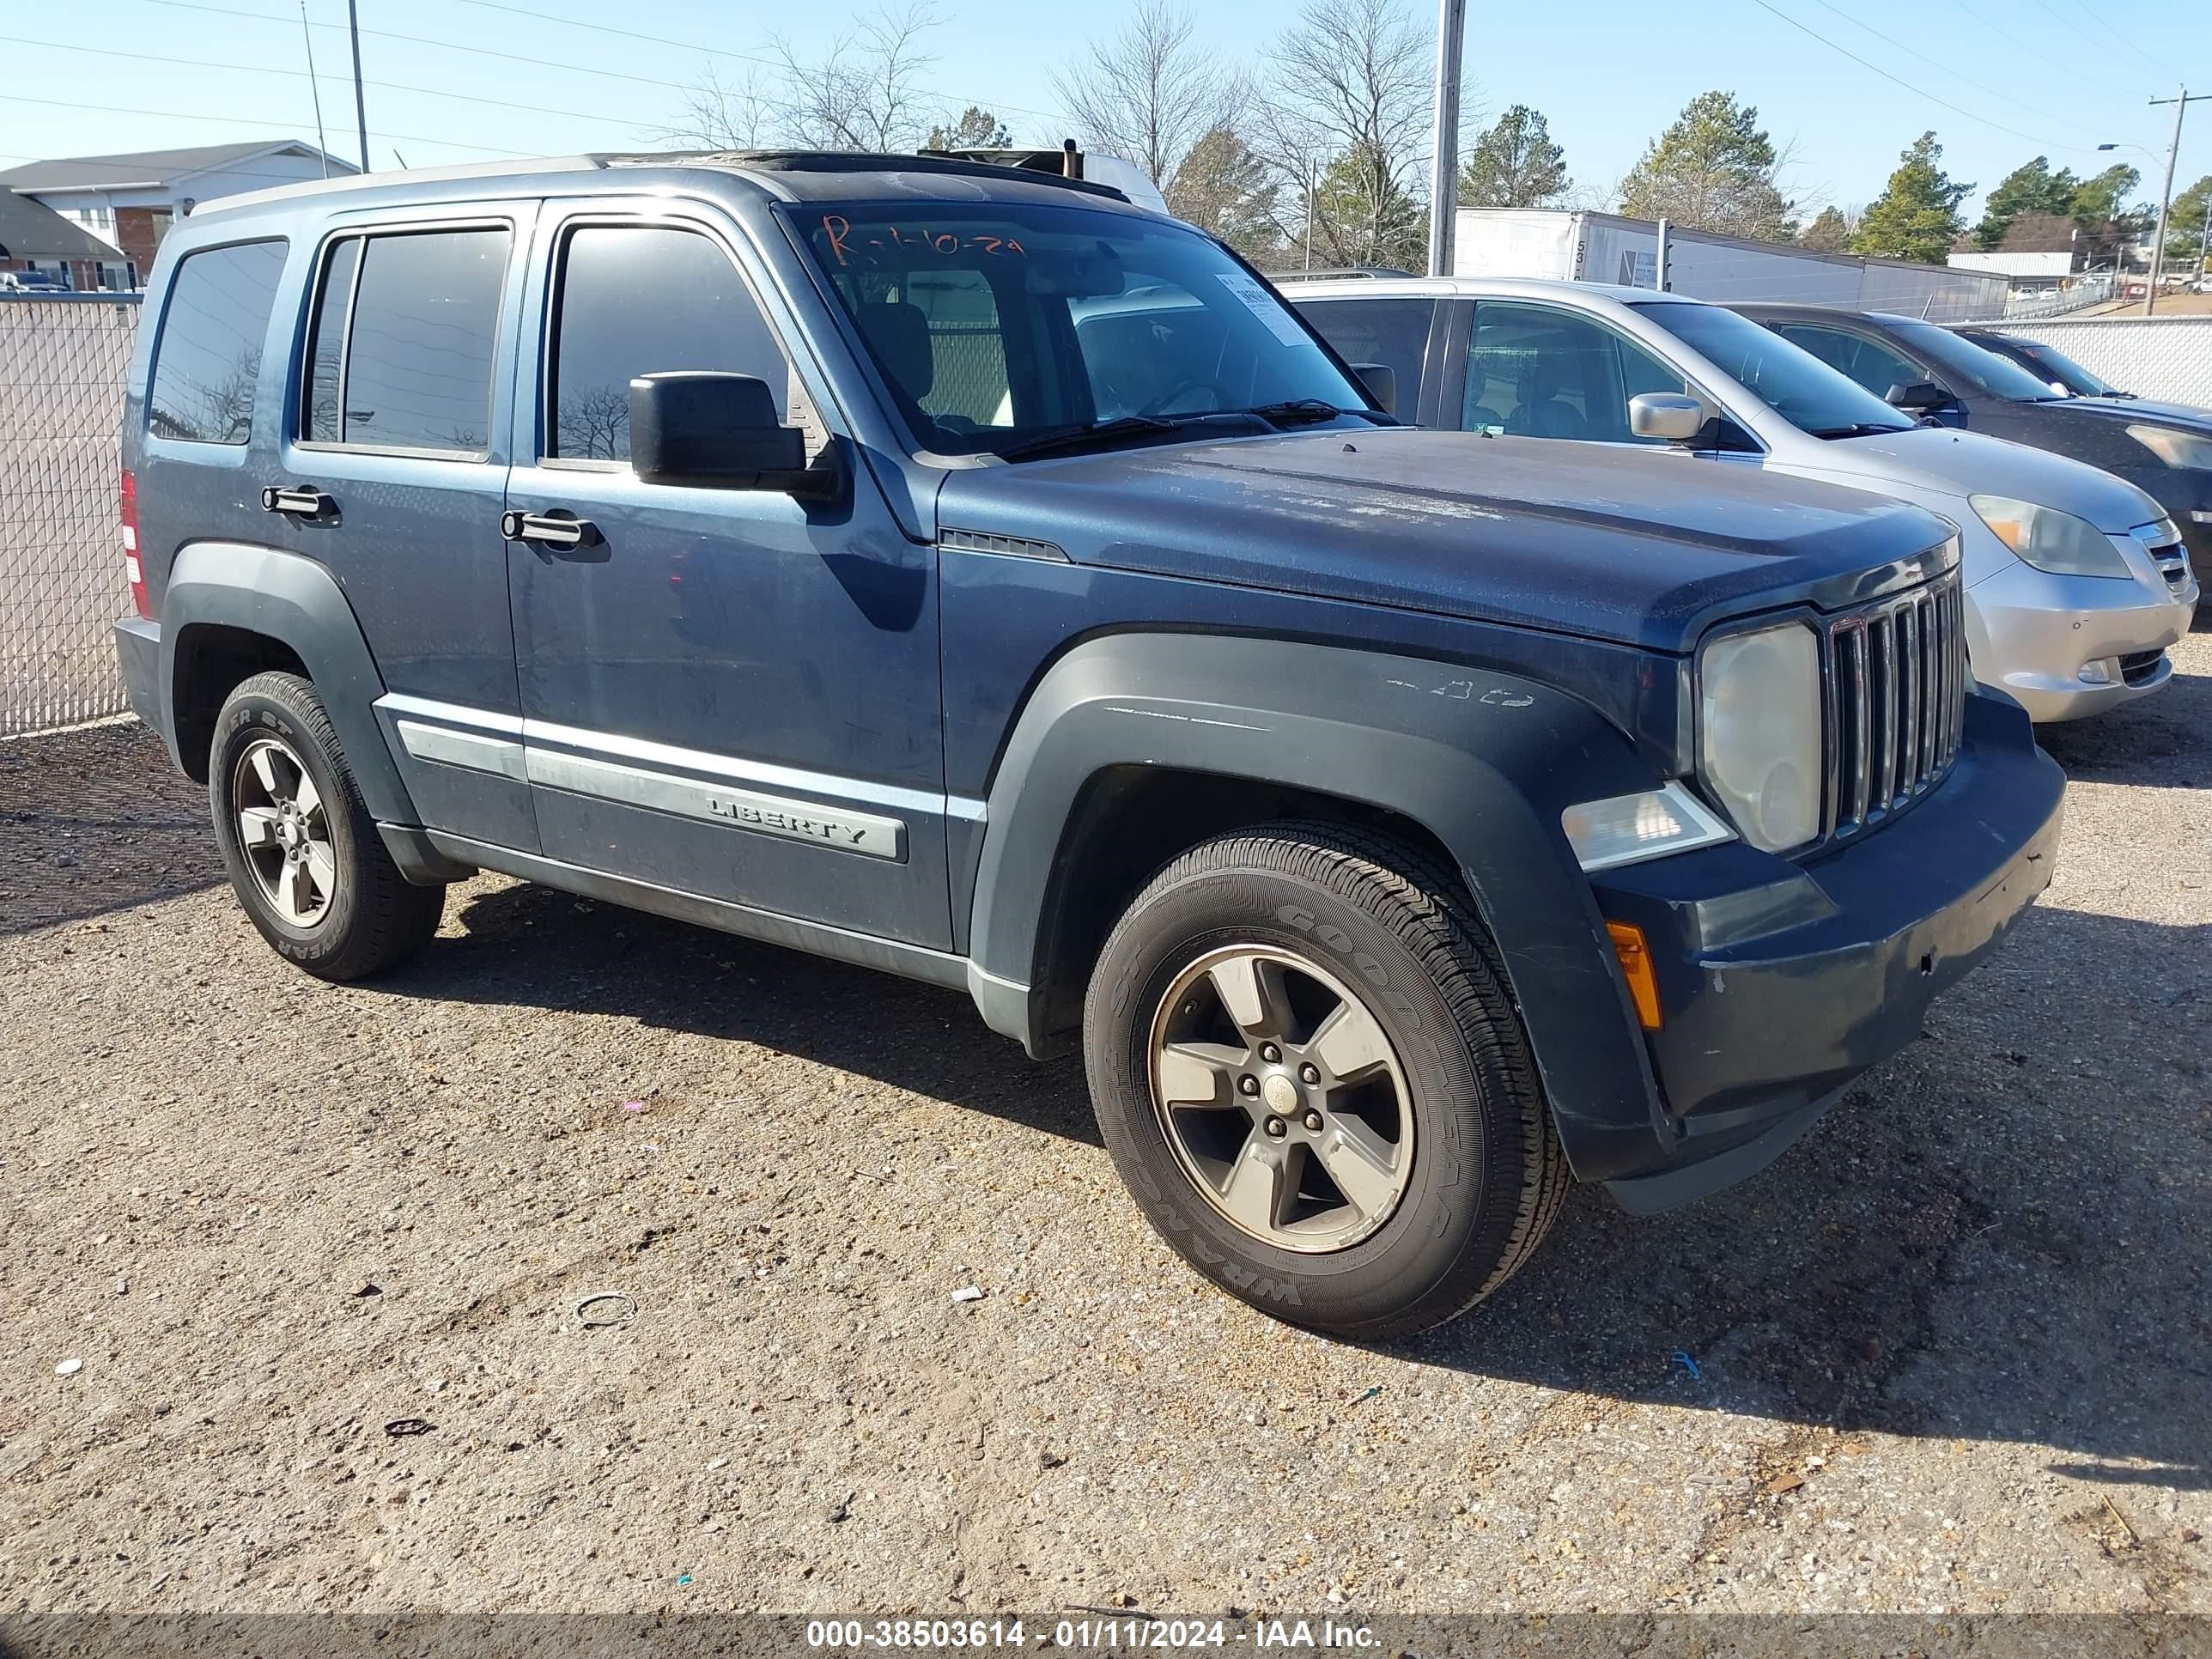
(2077,581)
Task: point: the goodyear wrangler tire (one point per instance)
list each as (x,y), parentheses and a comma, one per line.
(301,847)
(1310,1075)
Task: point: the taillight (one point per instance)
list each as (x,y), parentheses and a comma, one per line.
(139,601)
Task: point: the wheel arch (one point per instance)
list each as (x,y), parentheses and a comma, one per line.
(231,610)
(1143,745)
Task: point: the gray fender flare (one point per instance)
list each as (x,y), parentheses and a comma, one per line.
(299,603)
(1483,761)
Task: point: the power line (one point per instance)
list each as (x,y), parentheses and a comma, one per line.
(539,14)
(1918,92)
(1944,69)
(2145,57)
(232,120)
(2074,70)
(267,69)
(659,83)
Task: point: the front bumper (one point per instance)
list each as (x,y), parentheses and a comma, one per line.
(2036,634)
(1780,982)
(2185,493)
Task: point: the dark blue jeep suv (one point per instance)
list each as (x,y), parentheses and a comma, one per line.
(963,573)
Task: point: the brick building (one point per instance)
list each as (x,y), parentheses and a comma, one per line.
(127,202)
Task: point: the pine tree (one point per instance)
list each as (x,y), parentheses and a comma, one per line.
(2033,187)
(1222,187)
(1917,216)
(976,128)
(1829,232)
(1514,165)
(1714,169)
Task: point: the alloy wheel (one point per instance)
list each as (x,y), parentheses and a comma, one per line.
(284,831)
(1282,1098)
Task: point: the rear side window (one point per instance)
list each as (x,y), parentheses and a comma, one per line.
(1392,332)
(647,300)
(400,351)
(208,360)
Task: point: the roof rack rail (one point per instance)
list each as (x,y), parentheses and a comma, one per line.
(1337,273)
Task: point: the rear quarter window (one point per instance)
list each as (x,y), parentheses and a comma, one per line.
(207,359)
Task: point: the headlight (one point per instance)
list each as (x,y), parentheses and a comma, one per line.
(2189,449)
(1759,733)
(2051,540)
(1629,828)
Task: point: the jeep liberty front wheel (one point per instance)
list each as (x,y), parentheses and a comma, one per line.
(301,845)
(1308,1069)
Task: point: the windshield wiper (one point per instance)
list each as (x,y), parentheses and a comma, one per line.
(1070,441)
(1856,429)
(1299,411)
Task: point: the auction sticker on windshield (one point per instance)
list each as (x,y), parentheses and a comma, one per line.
(1264,306)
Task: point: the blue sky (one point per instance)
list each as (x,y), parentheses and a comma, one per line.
(485,79)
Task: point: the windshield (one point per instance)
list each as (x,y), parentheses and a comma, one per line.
(2055,365)
(997,325)
(1966,365)
(1789,379)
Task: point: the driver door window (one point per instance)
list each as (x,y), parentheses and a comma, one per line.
(1874,367)
(1532,372)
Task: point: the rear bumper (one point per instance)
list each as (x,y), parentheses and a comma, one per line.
(138,653)
(1780,983)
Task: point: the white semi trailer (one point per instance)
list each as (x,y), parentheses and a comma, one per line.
(1571,246)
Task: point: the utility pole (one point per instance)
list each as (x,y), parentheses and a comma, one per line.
(360,104)
(1443,182)
(2166,202)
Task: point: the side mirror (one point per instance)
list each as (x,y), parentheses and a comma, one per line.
(1381,383)
(708,428)
(1918,397)
(1668,415)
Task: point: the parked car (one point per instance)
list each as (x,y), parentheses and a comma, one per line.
(2163,449)
(32,281)
(862,555)
(2076,583)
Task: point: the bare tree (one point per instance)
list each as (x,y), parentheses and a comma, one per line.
(720,113)
(1150,94)
(1347,116)
(865,93)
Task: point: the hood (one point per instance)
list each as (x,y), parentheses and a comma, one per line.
(1945,461)
(1645,547)
(2124,409)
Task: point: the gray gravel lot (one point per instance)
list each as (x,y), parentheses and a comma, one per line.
(1951,1354)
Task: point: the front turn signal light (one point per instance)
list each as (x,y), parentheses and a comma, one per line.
(1636,964)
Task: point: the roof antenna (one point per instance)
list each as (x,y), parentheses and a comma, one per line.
(1071,159)
(322,144)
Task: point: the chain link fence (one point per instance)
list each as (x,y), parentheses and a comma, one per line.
(2165,358)
(64,364)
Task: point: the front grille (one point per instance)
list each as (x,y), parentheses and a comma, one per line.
(1896,675)
(2172,563)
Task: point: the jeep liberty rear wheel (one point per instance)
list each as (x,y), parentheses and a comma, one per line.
(1308,1072)
(301,849)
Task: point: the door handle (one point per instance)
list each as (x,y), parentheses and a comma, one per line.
(555,529)
(300,501)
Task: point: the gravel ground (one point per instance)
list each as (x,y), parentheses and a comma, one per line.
(1951,1354)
